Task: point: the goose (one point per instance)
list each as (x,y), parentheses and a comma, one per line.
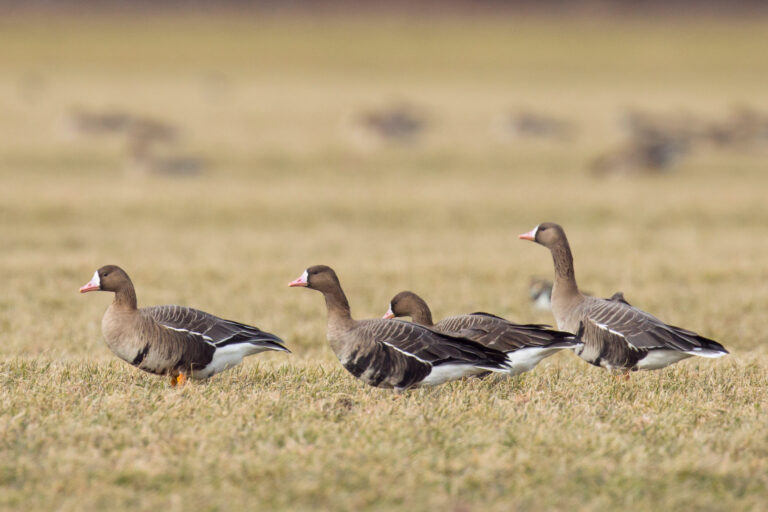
(616,335)
(392,353)
(106,122)
(400,122)
(144,159)
(540,292)
(525,345)
(527,123)
(173,340)
(651,154)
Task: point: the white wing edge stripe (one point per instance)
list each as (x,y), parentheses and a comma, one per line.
(617,333)
(208,339)
(406,353)
(606,328)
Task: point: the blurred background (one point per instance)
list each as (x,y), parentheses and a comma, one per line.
(217,149)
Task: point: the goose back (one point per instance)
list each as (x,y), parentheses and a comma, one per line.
(498,333)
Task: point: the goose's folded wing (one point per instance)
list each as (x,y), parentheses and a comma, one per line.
(618,322)
(202,326)
(496,332)
(433,347)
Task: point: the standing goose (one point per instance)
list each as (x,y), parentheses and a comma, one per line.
(393,353)
(525,345)
(173,340)
(616,335)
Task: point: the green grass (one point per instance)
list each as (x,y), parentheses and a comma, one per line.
(271,103)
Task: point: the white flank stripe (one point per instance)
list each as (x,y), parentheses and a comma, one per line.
(227,357)
(406,353)
(525,359)
(705,352)
(208,339)
(448,372)
(660,358)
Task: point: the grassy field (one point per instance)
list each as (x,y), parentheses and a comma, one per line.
(271,104)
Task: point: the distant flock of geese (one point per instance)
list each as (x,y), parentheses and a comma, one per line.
(653,142)
(185,343)
(149,142)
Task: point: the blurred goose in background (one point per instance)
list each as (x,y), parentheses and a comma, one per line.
(540,292)
(143,158)
(744,127)
(173,340)
(397,123)
(151,130)
(392,353)
(651,154)
(616,335)
(525,345)
(134,128)
(529,124)
(654,144)
(94,122)
(640,124)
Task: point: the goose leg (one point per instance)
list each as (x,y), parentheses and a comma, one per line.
(624,375)
(178,380)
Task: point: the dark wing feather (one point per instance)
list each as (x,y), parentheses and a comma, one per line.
(202,326)
(500,334)
(435,347)
(606,348)
(379,365)
(616,321)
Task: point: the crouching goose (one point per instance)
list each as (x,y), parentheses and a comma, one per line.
(393,353)
(173,340)
(525,345)
(616,335)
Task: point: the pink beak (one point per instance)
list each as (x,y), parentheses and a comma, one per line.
(531,235)
(301,281)
(91,286)
(389,314)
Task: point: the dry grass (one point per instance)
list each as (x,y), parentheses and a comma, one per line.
(270,102)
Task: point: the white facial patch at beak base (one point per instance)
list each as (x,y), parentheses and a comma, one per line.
(389,314)
(301,281)
(93,285)
(531,235)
